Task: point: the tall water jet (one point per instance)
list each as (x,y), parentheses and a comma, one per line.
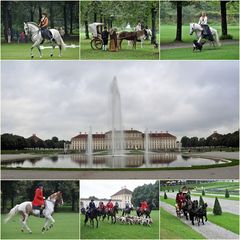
(146,147)
(90,147)
(117,135)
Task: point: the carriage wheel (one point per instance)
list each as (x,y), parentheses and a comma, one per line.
(96,44)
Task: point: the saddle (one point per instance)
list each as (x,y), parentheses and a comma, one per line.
(206,33)
(46,34)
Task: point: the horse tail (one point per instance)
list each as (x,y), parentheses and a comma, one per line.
(12,213)
(217,39)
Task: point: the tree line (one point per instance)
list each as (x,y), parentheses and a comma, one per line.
(226,140)
(148,192)
(120,13)
(180,12)
(60,14)
(16,142)
(15,192)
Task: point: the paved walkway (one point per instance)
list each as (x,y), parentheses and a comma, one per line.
(212,173)
(230,206)
(208,230)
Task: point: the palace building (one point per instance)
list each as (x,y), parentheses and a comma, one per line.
(133,139)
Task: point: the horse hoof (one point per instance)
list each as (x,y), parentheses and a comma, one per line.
(32,57)
(30,232)
(22,230)
(51,55)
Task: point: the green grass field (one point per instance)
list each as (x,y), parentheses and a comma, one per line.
(126,53)
(172,228)
(66,227)
(106,230)
(14,51)
(226,220)
(225,52)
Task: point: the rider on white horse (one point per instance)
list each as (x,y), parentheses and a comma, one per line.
(38,202)
(46,34)
(203,21)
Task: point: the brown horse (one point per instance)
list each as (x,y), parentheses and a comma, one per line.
(131,36)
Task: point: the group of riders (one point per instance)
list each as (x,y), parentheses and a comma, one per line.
(143,206)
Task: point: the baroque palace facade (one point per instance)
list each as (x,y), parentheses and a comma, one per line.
(133,139)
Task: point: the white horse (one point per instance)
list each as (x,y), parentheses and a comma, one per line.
(34,31)
(25,209)
(194,27)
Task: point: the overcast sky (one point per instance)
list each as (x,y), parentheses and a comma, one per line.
(106,188)
(63,98)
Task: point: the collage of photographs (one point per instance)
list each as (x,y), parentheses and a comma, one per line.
(120,119)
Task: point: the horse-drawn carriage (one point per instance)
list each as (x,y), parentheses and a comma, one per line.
(96,30)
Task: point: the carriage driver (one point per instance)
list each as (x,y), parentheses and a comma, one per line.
(43,25)
(203,21)
(38,201)
(109,205)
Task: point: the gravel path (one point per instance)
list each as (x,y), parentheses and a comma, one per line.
(175,45)
(212,173)
(230,206)
(208,230)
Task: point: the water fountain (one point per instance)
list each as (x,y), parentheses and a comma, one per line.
(117,134)
(146,148)
(90,147)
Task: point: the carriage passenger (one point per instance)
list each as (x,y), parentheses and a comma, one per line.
(180,199)
(104,35)
(38,201)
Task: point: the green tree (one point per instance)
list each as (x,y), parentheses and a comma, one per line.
(217,210)
(201,202)
(227,195)
(165,195)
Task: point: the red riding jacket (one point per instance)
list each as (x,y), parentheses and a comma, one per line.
(38,198)
(109,205)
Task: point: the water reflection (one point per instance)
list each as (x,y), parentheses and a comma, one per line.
(155,160)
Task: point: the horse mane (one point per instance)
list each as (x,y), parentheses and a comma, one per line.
(33,23)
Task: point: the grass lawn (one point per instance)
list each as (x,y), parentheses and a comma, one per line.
(207,186)
(168,33)
(219,197)
(226,220)
(148,52)
(106,230)
(21,51)
(172,228)
(225,52)
(66,227)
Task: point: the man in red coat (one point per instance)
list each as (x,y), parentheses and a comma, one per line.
(109,205)
(38,201)
(144,205)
